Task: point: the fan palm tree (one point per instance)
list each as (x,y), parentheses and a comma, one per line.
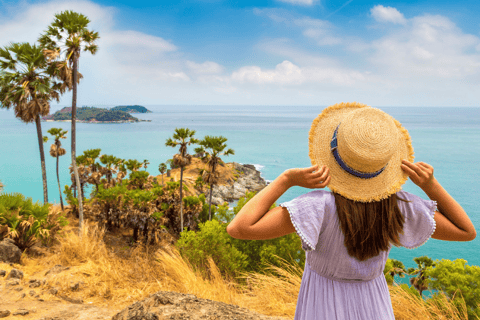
(183,137)
(25,86)
(56,151)
(162,167)
(64,39)
(420,282)
(213,148)
(145,164)
(397,269)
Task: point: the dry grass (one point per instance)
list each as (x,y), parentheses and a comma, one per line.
(118,276)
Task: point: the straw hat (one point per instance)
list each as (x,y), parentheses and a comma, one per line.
(363,147)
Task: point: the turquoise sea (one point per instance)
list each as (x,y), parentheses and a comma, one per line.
(273,138)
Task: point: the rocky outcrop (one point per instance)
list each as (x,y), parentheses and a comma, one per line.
(174,305)
(9,252)
(249,179)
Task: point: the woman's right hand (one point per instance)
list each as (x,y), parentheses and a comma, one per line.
(313,177)
(420,173)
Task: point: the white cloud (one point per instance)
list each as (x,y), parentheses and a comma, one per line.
(208,67)
(287,73)
(300,2)
(139,41)
(387,14)
(432,47)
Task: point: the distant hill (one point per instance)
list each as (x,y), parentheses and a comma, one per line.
(92,114)
(131,109)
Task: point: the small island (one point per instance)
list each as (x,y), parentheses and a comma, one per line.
(131,109)
(93,115)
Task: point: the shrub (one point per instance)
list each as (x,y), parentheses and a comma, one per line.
(253,256)
(27,222)
(212,240)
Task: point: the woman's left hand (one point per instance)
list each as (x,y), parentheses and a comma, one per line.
(313,177)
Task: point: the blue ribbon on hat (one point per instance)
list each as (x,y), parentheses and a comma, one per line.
(334,149)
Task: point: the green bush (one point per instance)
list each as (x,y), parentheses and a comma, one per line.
(211,240)
(251,256)
(27,221)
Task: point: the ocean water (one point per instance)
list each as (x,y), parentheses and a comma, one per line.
(271,137)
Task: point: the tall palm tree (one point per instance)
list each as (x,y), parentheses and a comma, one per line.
(183,137)
(162,167)
(213,148)
(25,86)
(64,39)
(56,151)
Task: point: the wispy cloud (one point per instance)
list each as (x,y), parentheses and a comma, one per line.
(299,2)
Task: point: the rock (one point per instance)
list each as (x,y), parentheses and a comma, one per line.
(3,273)
(56,269)
(248,181)
(177,306)
(15,274)
(18,289)
(12,283)
(32,293)
(9,252)
(34,283)
(4,313)
(21,312)
(53,291)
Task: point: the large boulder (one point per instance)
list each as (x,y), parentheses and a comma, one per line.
(248,180)
(174,305)
(9,252)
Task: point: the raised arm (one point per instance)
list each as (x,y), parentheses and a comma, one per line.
(256,222)
(452,222)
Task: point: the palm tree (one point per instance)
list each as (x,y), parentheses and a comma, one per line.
(56,151)
(213,148)
(183,137)
(397,269)
(145,164)
(162,167)
(25,86)
(64,39)
(420,282)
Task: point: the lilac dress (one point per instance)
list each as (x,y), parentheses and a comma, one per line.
(336,285)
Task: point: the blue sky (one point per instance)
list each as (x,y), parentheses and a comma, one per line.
(278,52)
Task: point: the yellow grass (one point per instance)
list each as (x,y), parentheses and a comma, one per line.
(119,276)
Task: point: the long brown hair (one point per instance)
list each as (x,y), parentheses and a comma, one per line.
(369,227)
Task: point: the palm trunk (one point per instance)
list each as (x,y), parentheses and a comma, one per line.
(210,203)
(42,159)
(74,158)
(181,199)
(58,180)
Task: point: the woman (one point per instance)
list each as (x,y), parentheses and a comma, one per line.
(364,156)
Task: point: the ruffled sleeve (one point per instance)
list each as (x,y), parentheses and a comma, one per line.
(419,219)
(307,216)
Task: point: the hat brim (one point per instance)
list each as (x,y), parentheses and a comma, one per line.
(351,187)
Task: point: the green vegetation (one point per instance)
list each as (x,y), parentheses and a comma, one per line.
(63,42)
(182,137)
(213,148)
(131,109)
(56,151)
(232,256)
(91,114)
(26,86)
(26,222)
